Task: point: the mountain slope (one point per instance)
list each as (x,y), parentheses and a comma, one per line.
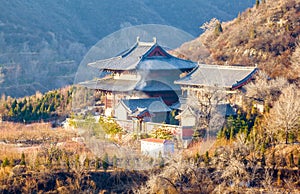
(266,35)
(42,42)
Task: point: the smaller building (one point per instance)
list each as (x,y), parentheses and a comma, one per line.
(153,147)
(151,109)
(188,117)
(202,79)
(213,89)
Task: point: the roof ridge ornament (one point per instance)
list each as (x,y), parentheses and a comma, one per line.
(154,40)
(141,43)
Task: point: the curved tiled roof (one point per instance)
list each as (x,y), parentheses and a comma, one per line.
(122,85)
(111,85)
(137,58)
(162,63)
(153,85)
(127,61)
(221,109)
(151,104)
(217,75)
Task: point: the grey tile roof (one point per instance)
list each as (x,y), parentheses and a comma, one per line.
(216,75)
(141,113)
(122,85)
(151,104)
(111,85)
(134,58)
(222,109)
(162,63)
(153,85)
(127,61)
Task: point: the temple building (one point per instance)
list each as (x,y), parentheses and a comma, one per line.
(146,70)
(145,83)
(205,81)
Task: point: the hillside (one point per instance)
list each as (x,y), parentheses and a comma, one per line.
(42,42)
(266,34)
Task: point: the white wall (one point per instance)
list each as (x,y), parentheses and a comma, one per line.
(120,112)
(188,120)
(153,148)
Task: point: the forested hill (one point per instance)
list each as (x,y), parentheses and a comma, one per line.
(267,34)
(42,42)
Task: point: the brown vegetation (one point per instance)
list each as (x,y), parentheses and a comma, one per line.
(254,152)
(36,157)
(266,35)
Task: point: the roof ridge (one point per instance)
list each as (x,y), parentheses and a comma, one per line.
(146,44)
(226,66)
(150,98)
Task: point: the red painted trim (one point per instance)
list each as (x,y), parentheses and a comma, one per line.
(157,51)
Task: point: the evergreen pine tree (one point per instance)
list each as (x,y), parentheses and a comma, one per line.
(17,110)
(14,104)
(231,134)
(23,162)
(105,162)
(218,28)
(196,158)
(87,163)
(97,163)
(257,3)
(25,101)
(206,158)
(291,160)
(5,162)
(68,164)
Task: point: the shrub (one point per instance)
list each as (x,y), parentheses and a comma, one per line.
(23,162)
(105,162)
(5,162)
(110,126)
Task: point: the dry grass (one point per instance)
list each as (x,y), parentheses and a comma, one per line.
(34,139)
(14,132)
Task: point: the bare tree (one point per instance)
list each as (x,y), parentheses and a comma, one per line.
(210,26)
(295,60)
(267,180)
(179,176)
(209,108)
(265,89)
(235,173)
(285,115)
